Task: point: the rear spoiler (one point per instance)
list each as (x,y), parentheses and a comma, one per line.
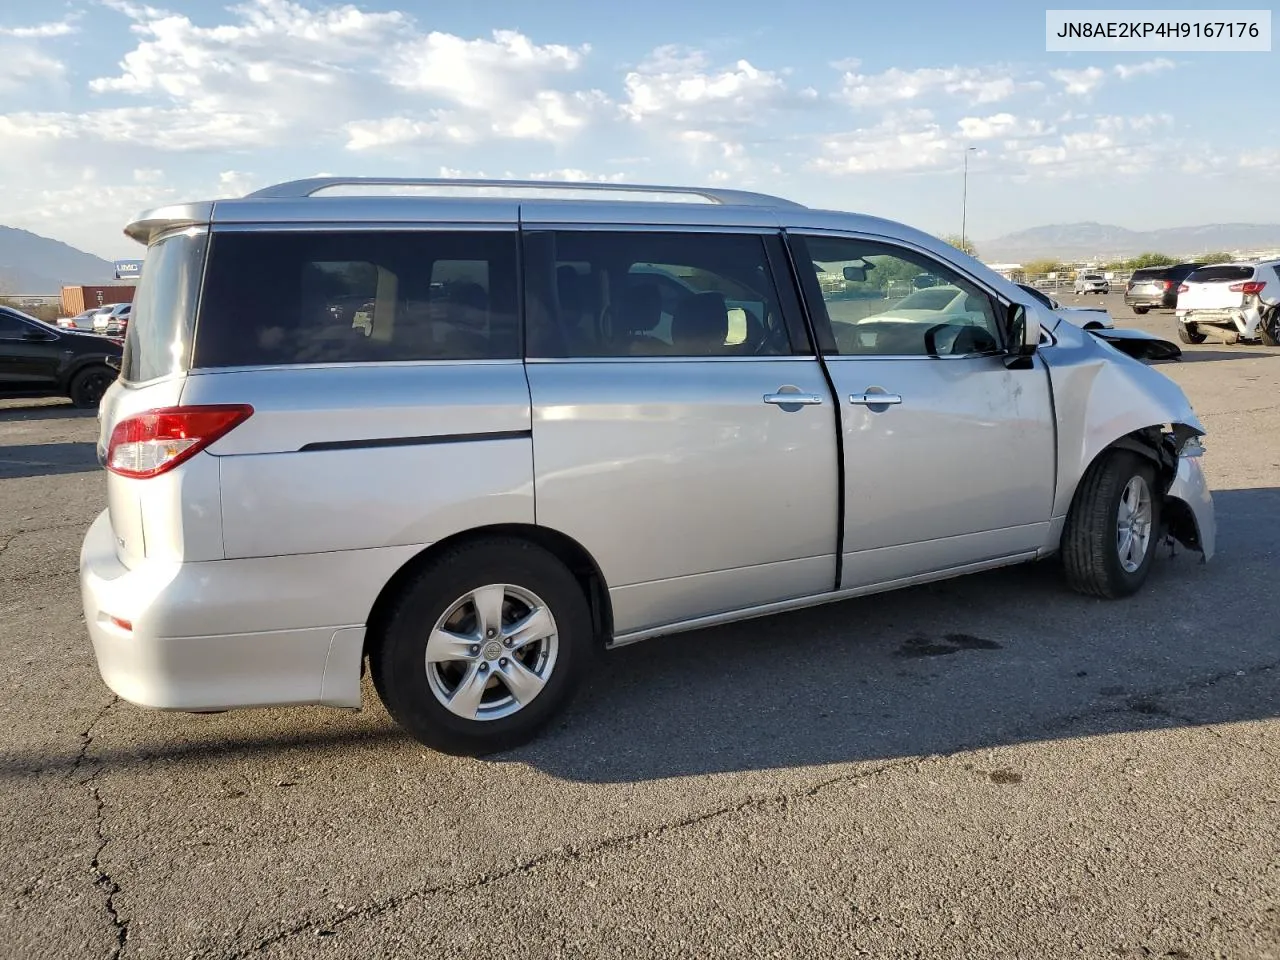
(1138,343)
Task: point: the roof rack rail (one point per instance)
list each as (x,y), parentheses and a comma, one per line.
(296,189)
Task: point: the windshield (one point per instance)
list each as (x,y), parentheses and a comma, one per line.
(158,342)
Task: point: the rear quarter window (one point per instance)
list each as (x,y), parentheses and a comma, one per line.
(158,342)
(1223,273)
(284,298)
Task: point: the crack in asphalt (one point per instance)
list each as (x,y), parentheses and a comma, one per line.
(104,882)
(1141,703)
(572,854)
(86,739)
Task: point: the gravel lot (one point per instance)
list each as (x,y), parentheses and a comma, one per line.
(986,767)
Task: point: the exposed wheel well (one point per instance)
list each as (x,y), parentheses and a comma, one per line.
(567,550)
(1149,442)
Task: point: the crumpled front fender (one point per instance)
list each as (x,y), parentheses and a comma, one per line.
(1101,396)
(1189,508)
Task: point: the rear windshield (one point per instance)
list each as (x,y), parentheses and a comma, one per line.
(1223,273)
(274,298)
(158,342)
(1148,273)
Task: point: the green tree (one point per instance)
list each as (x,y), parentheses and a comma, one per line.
(1038,267)
(966,244)
(1220,256)
(1149,260)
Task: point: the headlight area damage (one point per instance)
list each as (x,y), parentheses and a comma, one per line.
(1188,507)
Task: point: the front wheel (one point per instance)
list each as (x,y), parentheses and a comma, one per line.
(1109,541)
(88,386)
(1188,333)
(483,648)
(1140,310)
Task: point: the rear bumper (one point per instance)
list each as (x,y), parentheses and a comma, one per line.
(168,659)
(1243,322)
(1189,488)
(1154,300)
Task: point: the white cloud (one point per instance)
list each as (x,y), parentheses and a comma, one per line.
(1267,160)
(44,31)
(974,84)
(1147,67)
(399,131)
(1080,83)
(679,90)
(1001,126)
(313,73)
(503,84)
(910,142)
(22,67)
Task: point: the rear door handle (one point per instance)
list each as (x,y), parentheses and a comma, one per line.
(787,399)
(875,399)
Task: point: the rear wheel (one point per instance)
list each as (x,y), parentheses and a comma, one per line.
(1109,541)
(88,386)
(483,647)
(1269,328)
(1140,310)
(1188,333)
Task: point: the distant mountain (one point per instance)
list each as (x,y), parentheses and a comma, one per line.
(30,263)
(1104,241)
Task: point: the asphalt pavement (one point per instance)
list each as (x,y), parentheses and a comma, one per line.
(987,767)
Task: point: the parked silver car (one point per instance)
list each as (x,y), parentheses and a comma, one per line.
(470,439)
(1091,283)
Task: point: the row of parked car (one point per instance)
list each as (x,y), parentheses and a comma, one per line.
(1231,302)
(111,320)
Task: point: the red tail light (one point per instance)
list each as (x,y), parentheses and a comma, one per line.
(1253,286)
(1183,288)
(155,441)
(1166,284)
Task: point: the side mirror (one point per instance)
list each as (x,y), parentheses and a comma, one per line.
(855,274)
(1024,331)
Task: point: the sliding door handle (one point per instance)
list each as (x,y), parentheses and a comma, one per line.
(787,399)
(875,399)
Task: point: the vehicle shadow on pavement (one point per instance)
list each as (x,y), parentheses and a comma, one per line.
(47,459)
(1198,355)
(978,662)
(44,411)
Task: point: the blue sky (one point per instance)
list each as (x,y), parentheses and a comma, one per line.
(110,106)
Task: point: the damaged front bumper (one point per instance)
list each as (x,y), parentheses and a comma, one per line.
(1189,507)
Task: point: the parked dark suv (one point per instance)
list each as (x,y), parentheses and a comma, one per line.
(1156,287)
(41,360)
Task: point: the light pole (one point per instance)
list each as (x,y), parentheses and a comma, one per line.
(964,201)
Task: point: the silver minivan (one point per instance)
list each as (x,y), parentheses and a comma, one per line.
(470,436)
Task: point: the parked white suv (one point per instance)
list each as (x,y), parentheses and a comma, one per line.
(1232,302)
(1091,283)
(470,438)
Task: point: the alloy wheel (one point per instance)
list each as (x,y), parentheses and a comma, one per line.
(1133,524)
(491,652)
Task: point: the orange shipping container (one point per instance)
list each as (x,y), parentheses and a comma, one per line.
(78,299)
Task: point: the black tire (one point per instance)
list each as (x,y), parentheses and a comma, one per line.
(1187,333)
(88,386)
(398,660)
(1090,553)
(1269,328)
(1140,310)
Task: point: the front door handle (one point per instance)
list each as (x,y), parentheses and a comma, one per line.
(875,399)
(798,399)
